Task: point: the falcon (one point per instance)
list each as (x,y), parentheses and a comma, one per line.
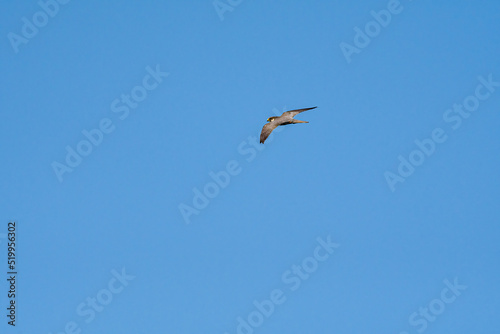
(286,118)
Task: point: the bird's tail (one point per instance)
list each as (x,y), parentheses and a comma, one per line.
(297,121)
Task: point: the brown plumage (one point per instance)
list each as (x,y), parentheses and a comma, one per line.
(286,118)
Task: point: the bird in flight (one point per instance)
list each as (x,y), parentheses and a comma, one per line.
(286,118)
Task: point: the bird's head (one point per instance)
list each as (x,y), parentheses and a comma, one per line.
(270,119)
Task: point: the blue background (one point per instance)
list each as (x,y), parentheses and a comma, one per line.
(119,208)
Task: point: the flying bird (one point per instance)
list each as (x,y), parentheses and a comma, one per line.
(286,118)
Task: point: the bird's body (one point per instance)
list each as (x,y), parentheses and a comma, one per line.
(286,118)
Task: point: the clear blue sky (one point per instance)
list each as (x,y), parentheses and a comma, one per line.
(381,215)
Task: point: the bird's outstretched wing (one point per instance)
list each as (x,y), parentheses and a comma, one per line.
(292,113)
(266,131)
